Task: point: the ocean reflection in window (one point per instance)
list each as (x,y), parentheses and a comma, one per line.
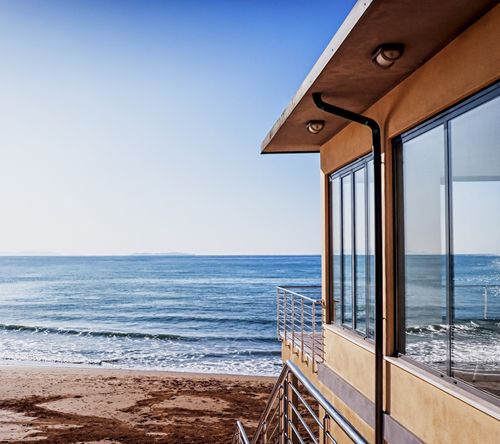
(449,254)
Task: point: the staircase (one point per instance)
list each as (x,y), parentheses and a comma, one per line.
(297,413)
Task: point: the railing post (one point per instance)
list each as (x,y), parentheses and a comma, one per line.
(284,412)
(302,328)
(322,351)
(264,430)
(293,419)
(284,314)
(325,428)
(313,335)
(293,323)
(278,311)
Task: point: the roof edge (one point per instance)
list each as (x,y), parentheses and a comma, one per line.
(351,20)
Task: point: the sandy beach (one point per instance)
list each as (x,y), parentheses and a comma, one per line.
(82,405)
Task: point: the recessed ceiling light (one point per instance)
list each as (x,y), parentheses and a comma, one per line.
(385,55)
(315,126)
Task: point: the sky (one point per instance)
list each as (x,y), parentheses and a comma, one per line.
(135,126)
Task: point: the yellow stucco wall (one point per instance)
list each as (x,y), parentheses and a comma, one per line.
(304,364)
(364,429)
(431,411)
(351,359)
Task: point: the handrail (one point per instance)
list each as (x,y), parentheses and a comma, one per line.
(348,429)
(284,391)
(240,437)
(287,289)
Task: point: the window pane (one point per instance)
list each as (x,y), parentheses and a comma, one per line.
(475,139)
(336,248)
(371,251)
(424,245)
(347,249)
(360,242)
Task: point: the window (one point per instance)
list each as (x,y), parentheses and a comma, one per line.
(352,247)
(448,216)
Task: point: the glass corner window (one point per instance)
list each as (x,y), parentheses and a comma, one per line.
(352,247)
(448,212)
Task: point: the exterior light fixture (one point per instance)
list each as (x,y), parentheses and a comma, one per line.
(385,55)
(315,126)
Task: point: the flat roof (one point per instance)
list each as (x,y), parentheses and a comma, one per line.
(345,75)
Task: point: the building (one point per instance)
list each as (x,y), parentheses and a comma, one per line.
(409,346)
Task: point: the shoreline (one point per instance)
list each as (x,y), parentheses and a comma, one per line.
(97,369)
(55,404)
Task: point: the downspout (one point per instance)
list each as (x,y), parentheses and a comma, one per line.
(379,325)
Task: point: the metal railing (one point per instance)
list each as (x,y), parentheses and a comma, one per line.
(494,291)
(297,413)
(300,320)
(240,437)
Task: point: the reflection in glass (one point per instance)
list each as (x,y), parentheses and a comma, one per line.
(425,277)
(360,243)
(475,168)
(347,249)
(336,248)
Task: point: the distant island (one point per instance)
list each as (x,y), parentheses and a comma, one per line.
(161,254)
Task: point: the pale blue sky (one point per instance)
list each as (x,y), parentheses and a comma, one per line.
(135,126)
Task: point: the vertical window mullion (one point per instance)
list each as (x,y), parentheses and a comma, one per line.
(331,278)
(400,306)
(449,248)
(367,255)
(353,250)
(341,251)
(330,246)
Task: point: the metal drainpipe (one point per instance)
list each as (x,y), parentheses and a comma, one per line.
(379,326)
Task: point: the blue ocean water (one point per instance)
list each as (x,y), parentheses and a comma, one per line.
(212,314)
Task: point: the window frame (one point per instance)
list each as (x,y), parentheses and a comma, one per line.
(444,119)
(350,170)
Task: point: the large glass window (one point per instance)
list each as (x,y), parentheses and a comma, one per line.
(352,252)
(449,252)
(424,248)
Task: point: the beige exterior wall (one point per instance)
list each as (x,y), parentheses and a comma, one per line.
(438,412)
(303,363)
(434,410)
(352,358)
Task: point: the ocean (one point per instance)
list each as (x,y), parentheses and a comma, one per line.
(209,314)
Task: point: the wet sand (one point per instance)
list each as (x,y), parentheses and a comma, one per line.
(80,405)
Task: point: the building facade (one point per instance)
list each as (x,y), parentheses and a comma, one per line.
(428,73)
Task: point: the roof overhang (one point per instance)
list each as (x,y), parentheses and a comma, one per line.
(345,75)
